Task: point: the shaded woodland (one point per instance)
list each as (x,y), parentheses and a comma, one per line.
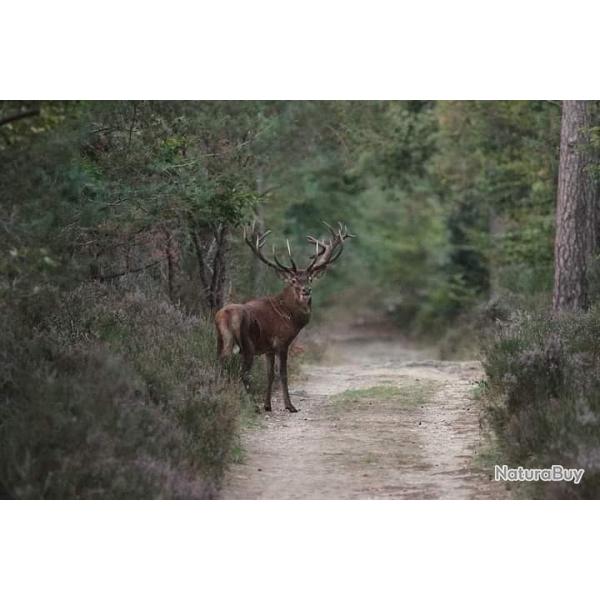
(477,230)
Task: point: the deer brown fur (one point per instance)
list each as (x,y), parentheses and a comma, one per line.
(269,325)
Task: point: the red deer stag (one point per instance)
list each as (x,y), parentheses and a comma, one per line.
(269,325)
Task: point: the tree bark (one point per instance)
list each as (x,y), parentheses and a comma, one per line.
(256,270)
(219,270)
(212,266)
(202,267)
(575,242)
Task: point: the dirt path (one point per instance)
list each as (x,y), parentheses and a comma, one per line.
(376,420)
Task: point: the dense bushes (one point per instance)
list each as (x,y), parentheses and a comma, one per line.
(543,396)
(115,395)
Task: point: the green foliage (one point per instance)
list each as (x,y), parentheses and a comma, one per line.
(543,396)
(496,168)
(451,201)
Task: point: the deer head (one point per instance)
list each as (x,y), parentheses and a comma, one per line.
(326,252)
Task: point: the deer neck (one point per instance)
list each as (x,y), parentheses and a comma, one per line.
(291,309)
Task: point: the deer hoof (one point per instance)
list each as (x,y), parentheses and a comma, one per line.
(291,408)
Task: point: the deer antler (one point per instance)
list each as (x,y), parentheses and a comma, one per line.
(327,252)
(257,241)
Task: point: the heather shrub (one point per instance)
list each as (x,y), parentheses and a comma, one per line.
(543,396)
(109,392)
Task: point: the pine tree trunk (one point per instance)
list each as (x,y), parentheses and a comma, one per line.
(575,242)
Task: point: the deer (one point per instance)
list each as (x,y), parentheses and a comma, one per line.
(268,325)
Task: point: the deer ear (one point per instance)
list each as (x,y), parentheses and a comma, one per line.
(318,273)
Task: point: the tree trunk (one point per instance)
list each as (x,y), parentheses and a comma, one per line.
(256,270)
(219,269)
(575,242)
(202,267)
(496,229)
(169,255)
(212,264)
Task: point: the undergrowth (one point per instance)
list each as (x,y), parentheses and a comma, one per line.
(110,392)
(542,397)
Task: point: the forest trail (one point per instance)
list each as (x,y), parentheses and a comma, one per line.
(376,420)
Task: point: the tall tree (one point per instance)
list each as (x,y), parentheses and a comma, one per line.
(575,242)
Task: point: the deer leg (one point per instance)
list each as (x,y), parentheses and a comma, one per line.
(247,351)
(283,355)
(270,374)
(219,346)
(247,360)
(244,343)
(220,363)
